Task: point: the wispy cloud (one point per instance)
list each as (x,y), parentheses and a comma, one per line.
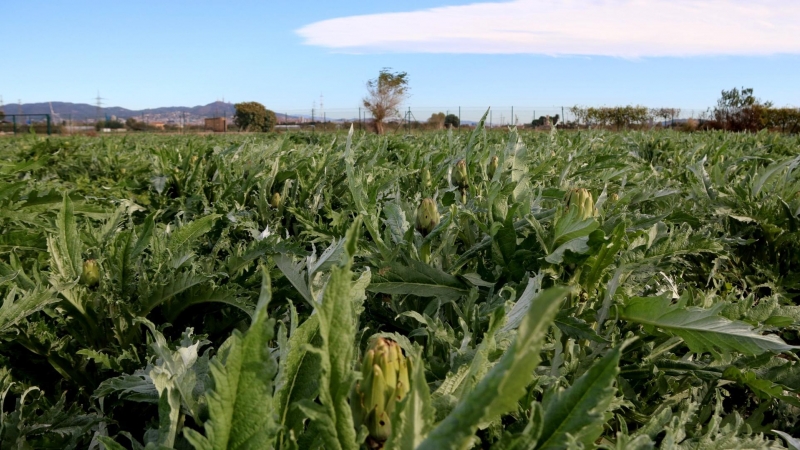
(623,28)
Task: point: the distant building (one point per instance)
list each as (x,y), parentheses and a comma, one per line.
(157,125)
(216,124)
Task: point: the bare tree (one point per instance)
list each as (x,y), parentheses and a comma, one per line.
(384,95)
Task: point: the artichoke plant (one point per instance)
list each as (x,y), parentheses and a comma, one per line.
(427,216)
(384,382)
(493,164)
(275,201)
(582,200)
(91,273)
(426,178)
(460,177)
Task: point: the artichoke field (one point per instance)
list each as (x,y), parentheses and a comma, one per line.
(482,290)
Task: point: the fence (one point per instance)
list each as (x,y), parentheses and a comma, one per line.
(409,118)
(15,123)
(498,116)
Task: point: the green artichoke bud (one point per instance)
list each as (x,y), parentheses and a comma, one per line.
(493,166)
(460,178)
(614,197)
(384,382)
(275,201)
(582,200)
(427,216)
(91,273)
(426,178)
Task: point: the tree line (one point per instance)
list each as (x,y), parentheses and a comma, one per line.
(736,110)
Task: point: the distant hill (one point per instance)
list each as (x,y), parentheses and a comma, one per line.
(84,111)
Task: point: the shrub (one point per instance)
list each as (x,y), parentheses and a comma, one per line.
(253,116)
(452,120)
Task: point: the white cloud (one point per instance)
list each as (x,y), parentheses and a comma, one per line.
(624,28)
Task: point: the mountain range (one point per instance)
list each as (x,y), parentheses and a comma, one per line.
(85,111)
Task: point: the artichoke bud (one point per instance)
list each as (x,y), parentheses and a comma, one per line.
(427,216)
(493,164)
(614,197)
(384,382)
(91,273)
(275,201)
(426,178)
(582,200)
(460,178)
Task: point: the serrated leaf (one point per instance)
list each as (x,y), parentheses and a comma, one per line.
(501,388)
(17,305)
(240,406)
(65,246)
(137,387)
(337,329)
(299,376)
(295,273)
(180,283)
(579,410)
(417,278)
(576,328)
(703,330)
(191,231)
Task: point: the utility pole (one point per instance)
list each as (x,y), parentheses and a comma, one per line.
(99,107)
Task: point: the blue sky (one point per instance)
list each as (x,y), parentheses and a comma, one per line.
(285,54)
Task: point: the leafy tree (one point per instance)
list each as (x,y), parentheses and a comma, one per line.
(452,121)
(2,114)
(253,116)
(786,120)
(384,95)
(740,110)
(436,120)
